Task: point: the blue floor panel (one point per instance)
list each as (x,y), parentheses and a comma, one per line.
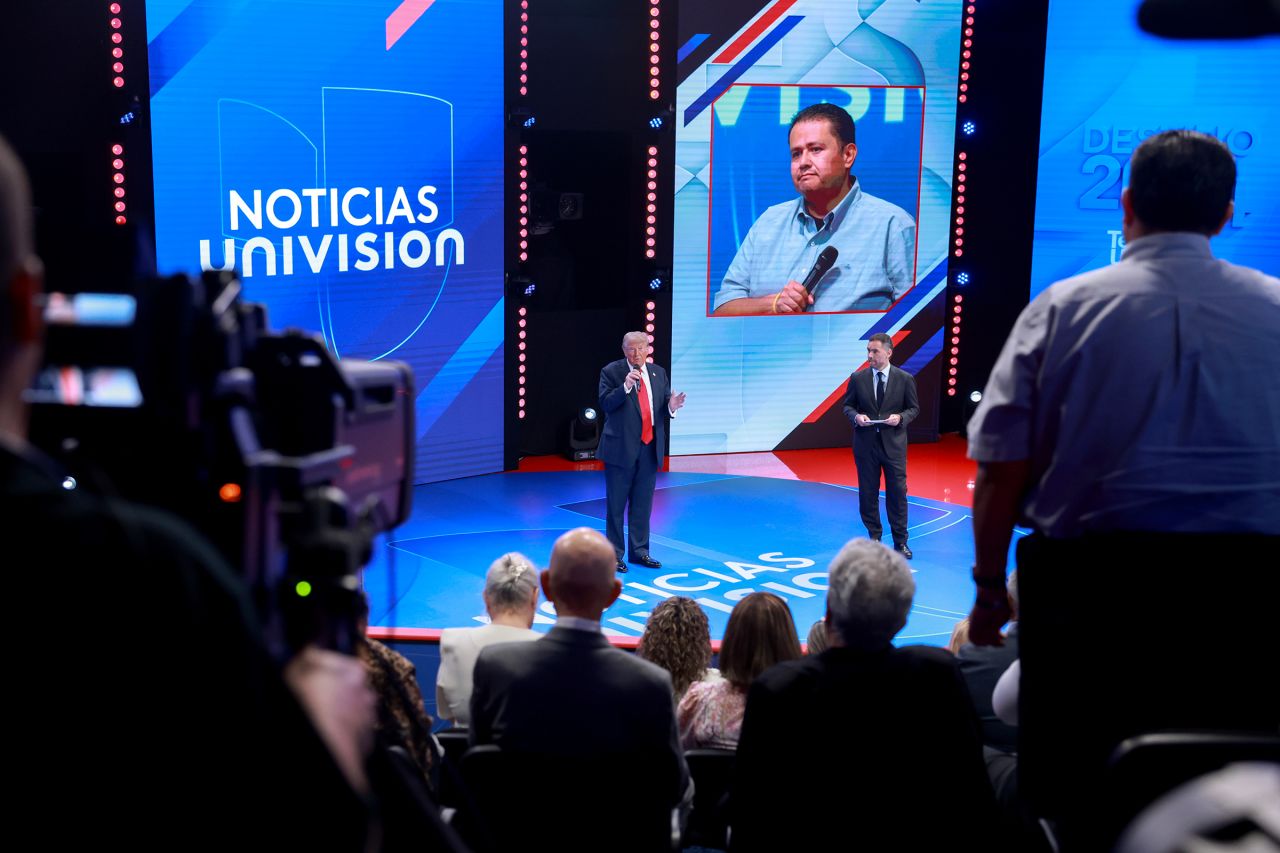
(719,537)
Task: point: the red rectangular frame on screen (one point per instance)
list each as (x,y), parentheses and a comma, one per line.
(915,260)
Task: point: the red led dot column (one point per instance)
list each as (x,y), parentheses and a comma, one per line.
(655,46)
(117,179)
(116,28)
(651,204)
(522,346)
(953,360)
(965,55)
(522,223)
(958,238)
(649,308)
(523,78)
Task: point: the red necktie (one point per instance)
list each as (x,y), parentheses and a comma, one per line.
(646,417)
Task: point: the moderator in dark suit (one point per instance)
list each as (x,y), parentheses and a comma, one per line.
(885,743)
(881,447)
(573,694)
(630,465)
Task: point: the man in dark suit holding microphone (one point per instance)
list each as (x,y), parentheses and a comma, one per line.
(637,402)
(880,403)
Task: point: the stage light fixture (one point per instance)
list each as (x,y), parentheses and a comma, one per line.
(656,122)
(969,128)
(522,289)
(584,435)
(962,278)
(970,405)
(530,121)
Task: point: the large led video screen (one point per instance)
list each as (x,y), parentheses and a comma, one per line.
(345,159)
(760,367)
(1108,86)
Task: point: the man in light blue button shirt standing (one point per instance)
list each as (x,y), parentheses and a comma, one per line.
(876,240)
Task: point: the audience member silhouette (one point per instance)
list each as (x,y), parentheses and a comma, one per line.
(572,694)
(403,720)
(760,634)
(885,738)
(511,600)
(817,642)
(677,637)
(1132,421)
(152,716)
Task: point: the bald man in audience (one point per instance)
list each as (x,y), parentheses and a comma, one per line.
(573,694)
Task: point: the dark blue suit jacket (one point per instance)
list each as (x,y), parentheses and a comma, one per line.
(899,399)
(861,728)
(572,693)
(620,441)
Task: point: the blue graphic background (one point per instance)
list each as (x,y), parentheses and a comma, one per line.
(752,380)
(1107,87)
(750,162)
(282,94)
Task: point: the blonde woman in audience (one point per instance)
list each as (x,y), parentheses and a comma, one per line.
(818,641)
(677,638)
(959,636)
(760,634)
(511,599)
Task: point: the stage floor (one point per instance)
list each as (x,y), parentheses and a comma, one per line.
(723,526)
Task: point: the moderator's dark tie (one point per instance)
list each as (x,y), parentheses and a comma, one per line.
(879,389)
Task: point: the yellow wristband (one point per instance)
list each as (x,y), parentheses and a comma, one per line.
(775,301)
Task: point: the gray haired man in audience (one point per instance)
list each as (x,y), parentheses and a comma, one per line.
(868,720)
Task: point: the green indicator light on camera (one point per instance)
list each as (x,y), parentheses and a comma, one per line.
(302,588)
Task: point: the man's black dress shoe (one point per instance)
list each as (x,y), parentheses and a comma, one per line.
(903,550)
(622,567)
(646,561)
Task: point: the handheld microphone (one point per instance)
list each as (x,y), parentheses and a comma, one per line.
(825,259)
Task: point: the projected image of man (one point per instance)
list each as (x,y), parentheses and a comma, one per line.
(876,240)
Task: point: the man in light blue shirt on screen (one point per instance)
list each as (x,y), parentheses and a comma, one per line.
(876,240)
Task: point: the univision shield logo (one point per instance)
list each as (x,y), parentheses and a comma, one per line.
(369,205)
